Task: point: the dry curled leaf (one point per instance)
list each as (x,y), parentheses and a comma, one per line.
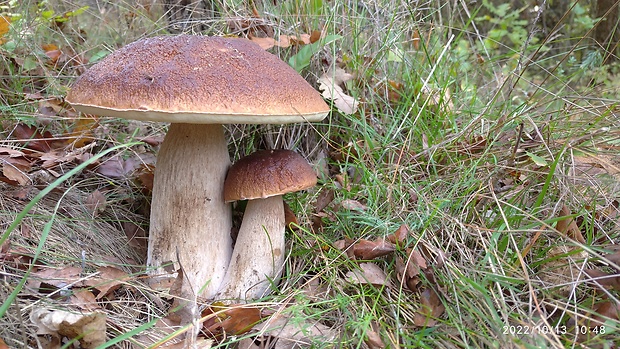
(88,328)
(84,299)
(408,270)
(373,338)
(400,235)
(108,280)
(290,219)
(330,85)
(430,309)
(33,138)
(568,227)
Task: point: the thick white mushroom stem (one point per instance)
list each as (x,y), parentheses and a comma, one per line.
(258,256)
(190,223)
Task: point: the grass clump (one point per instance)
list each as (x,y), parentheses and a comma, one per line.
(496,148)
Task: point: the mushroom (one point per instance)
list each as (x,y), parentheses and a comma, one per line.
(258,257)
(197,83)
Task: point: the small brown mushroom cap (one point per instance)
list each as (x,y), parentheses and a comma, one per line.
(197,79)
(267,173)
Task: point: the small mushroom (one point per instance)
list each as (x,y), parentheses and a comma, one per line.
(197,83)
(258,257)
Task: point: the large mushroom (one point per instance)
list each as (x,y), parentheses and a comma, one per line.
(262,178)
(197,83)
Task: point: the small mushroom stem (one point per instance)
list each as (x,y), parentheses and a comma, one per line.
(258,256)
(190,223)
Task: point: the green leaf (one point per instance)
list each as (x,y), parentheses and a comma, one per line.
(47,14)
(30,63)
(302,59)
(538,160)
(98,56)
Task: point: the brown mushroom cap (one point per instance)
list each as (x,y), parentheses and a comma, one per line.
(197,79)
(268,173)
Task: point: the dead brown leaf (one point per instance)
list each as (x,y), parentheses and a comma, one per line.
(33,138)
(369,273)
(82,131)
(605,310)
(373,338)
(353,205)
(290,219)
(15,170)
(17,257)
(146,176)
(613,257)
(235,320)
(408,271)
(52,52)
(264,43)
(282,332)
(331,86)
(84,299)
(95,203)
(324,198)
(109,280)
(399,237)
(430,309)
(5,24)
(137,236)
(367,250)
(343,181)
(568,227)
(3,344)
(57,277)
(88,328)
(607,280)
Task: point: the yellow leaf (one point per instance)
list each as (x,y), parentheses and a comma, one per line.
(5,23)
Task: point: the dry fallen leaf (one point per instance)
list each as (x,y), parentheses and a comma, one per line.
(399,237)
(282,332)
(264,43)
(373,338)
(605,310)
(239,319)
(89,328)
(290,219)
(568,227)
(15,170)
(408,270)
(366,249)
(353,205)
(430,309)
(84,299)
(369,273)
(34,139)
(136,236)
(108,280)
(561,267)
(52,52)
(5,24)
(604,279)
(56,277)
(95,203)
(331,89)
